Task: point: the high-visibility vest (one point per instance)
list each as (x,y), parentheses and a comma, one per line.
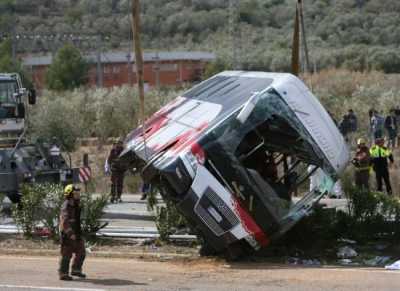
(379,152)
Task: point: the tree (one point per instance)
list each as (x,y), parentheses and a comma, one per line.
(8,66)
(68,70)
(219,65)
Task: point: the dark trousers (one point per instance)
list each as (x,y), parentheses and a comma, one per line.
(362,179)
(383,174)
(68,248)
(117,184)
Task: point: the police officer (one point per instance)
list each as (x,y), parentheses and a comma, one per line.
(117,171)
(379,157)
(362,162)
(71,235)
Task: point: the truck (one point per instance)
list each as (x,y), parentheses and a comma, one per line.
(233,152)
(22,162)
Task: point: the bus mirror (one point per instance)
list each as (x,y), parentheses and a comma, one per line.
(248,108)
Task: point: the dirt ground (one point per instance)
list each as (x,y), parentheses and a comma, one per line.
(105,247)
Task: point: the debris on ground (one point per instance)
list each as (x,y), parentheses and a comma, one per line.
(347,262)
(347,241)
(42,232)
(377,261)
(394,266)
(346,253)
(381,247)
(303,262)
(146,242)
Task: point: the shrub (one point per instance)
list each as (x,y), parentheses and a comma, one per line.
(41,205)
(99,113)
(27,213)
(68,70)
(373,215)
(168,219)
(92,211)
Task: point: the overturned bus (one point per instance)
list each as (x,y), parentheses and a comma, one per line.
(233,151)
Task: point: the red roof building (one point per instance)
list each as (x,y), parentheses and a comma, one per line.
(118,68)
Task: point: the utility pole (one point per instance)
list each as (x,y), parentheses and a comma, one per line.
(130,48)
(303,36)
(296,45)
(138,55)
(99,71)
(233,32)
(14,40)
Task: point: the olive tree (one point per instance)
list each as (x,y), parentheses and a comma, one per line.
(68,70)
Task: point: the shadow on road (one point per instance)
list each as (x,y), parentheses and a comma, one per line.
(111,282)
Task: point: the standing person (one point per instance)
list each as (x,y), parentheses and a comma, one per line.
(362,162)
(391,128)
(379,157)
(55,154)
(353,125)
(117,171)
(397,114)
(344,127)
(377,125)
(71,235)
(371,114)
(145,189)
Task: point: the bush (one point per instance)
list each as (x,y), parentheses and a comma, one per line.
(168,218)
(99,113)
(68,70)
(41,205)
(27,214)
(92,211)
(373,215)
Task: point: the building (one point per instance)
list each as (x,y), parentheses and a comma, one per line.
(118,68)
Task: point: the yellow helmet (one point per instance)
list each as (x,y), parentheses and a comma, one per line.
(69,189)
(361,141)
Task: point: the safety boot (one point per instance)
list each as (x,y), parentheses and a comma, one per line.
(63,269)
(78,274)
(65,277)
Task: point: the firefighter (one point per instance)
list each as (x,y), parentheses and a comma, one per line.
(379,157)
(117,172)
(71,235)
(362,162)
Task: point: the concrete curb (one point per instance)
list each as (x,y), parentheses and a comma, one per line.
(100,254)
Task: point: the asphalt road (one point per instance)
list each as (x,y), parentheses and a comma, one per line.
(33,273)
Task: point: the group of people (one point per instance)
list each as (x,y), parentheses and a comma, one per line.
(378,158)
(379,126)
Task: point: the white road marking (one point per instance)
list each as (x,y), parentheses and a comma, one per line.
(363,270)
(49,288)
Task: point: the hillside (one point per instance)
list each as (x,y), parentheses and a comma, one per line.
(356,34)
